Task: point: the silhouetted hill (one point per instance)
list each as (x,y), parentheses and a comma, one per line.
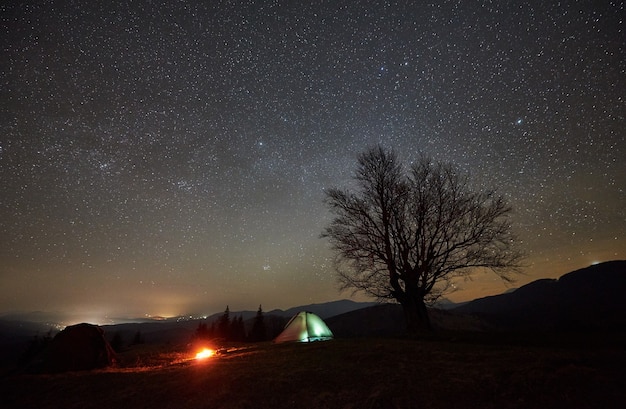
(377,320)
(388,320)
(591,298)
(178,330)
(324,310)
(17,336)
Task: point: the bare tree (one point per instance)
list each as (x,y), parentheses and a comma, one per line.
(405,234)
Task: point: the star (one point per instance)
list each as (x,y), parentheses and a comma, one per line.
(187,146)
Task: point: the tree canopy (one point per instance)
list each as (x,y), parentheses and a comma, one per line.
(407,232)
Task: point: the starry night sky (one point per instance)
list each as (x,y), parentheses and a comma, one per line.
(170,157)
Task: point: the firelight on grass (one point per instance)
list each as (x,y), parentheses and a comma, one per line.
(205,353)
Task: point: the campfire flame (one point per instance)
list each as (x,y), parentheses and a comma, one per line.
(205,353)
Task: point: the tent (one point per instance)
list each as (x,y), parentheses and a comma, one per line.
(304,327)
(78,347)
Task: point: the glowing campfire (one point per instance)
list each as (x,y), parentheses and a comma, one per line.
(205,353)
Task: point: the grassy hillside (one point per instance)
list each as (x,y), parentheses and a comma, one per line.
(355,373)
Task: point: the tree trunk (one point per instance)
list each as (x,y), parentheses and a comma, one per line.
(415,314)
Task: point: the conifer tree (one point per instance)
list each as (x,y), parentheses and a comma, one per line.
(259,331)
(223,325)
(213,330)
(237,329)
(202,332)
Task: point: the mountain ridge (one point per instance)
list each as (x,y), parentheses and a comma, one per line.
(585,299)
(589,298)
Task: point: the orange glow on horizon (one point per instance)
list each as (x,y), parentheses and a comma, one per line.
(205,353)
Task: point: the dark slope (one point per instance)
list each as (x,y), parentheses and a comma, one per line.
(587,299)
(378,320)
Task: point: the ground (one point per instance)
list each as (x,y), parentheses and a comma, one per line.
(435,372)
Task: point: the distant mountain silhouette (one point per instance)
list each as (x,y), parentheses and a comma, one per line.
(177,330)
(591,298)
(588,299)
(324,310)
(17,329)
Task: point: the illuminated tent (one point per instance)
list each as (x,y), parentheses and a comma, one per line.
(305,327)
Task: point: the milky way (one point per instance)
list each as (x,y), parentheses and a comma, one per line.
(170,157)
